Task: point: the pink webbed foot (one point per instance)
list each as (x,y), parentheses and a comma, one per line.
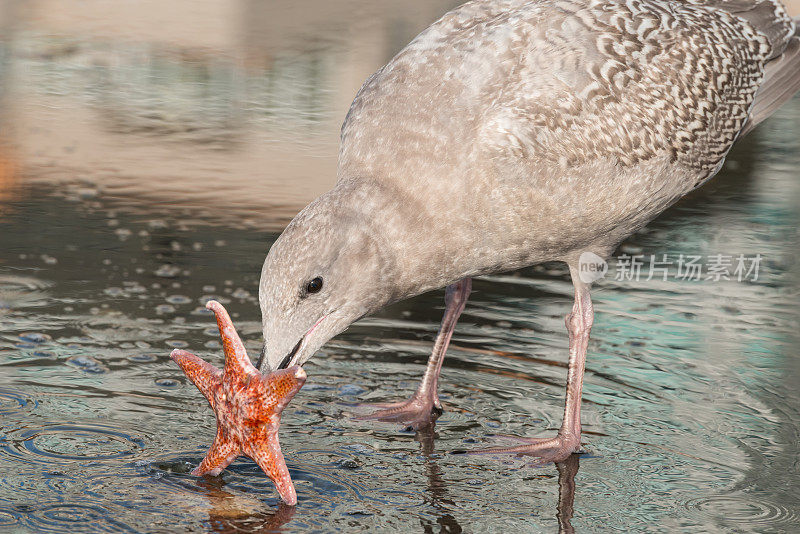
(415,412)
(423,408)
(546,450)
(568,439)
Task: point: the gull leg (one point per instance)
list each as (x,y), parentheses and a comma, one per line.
(568,439)
(424,407)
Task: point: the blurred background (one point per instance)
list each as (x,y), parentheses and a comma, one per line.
(146,99)
(232,108)
(150,153)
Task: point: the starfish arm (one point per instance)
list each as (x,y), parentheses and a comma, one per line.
(236,359)
(281,386)
(222,452)
(204,375)
(265,450)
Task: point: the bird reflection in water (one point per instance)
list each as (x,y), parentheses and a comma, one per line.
(437,487)
(426,436)
(566,492)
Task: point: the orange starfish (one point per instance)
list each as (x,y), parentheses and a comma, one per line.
(247,404)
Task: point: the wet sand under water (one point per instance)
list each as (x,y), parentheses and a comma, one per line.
(145,173)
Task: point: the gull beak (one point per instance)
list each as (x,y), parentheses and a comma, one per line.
(289,357)
(293,357)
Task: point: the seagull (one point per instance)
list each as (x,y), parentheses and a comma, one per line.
(247,404)
(511,133)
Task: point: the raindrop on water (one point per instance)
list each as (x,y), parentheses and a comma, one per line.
(87,364)
(35,337)
(167,271)
(167,382)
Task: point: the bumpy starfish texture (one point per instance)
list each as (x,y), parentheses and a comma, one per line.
(247,404)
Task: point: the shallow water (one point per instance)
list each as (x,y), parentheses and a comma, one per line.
(691,412)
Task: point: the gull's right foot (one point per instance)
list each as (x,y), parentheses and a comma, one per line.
(415,412)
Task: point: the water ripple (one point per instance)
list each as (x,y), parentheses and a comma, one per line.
(12,402)
(315,482)
(748,510)
(8,518)
(63,443)
(66,517)
(24,282)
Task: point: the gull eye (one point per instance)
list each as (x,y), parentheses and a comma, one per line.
(314,286)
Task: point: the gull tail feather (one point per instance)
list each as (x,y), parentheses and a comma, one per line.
(781,82)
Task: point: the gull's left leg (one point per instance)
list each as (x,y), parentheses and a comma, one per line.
(568,438)
(424,407)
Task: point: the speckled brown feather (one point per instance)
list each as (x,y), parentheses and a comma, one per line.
(515,132)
